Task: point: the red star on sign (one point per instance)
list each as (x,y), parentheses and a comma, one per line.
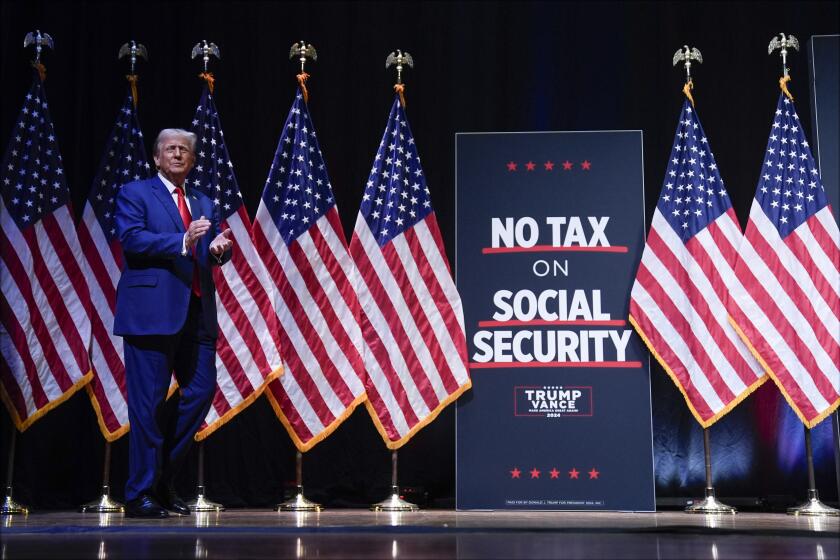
(535,473)
(574,473)
(593,473)
(554,473)
(567,165)
(511,166)
(586,165)
(515,472)
(530,166)
(549,165)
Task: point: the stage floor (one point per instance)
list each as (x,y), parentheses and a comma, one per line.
(426,534)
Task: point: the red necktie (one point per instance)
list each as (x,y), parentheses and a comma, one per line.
(187,219)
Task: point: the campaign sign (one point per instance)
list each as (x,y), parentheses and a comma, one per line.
(550,230)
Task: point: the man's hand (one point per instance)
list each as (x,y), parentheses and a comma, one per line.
(222,243)
(195,232)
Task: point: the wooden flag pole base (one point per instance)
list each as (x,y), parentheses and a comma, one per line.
(394,502)
(299,501)
(812,506)
(710,504)
(200,503)
(10,506)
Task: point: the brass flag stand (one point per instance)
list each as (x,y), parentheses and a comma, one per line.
(299,501)
(812,506)
(394,502)
(104,504)
(10,506)
(710,503)
(201,502)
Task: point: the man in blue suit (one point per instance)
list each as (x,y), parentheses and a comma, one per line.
(166,314)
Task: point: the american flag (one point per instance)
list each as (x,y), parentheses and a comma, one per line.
(44,327)
(678,300)
(412,318)
(124,160)
(247,350)
(298,233)
(787,305)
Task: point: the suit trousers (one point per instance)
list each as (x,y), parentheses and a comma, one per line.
(158,443)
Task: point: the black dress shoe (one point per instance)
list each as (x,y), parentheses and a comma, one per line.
(145,506)
(173,502)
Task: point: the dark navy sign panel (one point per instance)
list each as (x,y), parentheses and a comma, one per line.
(824,52)
(550,230)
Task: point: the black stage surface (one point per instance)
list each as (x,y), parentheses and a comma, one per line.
(425,534)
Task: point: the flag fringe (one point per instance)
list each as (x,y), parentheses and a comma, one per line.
(689,85)
(302,446)
(400,89)
(211,81)
(783,81)
(697,416)
(301,78)
(100,419)
(808,424)
(393,445)
(228,416)
(132,80)
(22,426)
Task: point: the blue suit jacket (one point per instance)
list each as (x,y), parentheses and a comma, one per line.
(153,294)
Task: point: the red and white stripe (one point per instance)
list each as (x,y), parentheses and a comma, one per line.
(248,344)
(789,308)
(103,265)
(44,328)
(321,341)
(413,327)
(678,306)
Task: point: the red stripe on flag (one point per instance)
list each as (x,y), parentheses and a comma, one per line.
(770,357)
(683,327)
(40,328)
(436,290)
(418,316)
(97,266)
(794,291)
(287,350)
(289,411)
(331,321)
(404,342)
(66,321)
(776,317)
(675,365)
(18,338)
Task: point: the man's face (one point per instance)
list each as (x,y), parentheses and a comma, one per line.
(175,159)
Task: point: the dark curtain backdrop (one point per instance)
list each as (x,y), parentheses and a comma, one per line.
(480,66)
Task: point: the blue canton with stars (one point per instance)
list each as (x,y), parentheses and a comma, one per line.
(396,196)
(124,160)
(693,194)
(213,172)
(33,179)
(789,190)
(297,191)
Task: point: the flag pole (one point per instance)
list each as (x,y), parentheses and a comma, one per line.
(200,502)
(835,432)
(710,503)
(104,504)
(812,506)
(394,502)
(10,506)
(299,501)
